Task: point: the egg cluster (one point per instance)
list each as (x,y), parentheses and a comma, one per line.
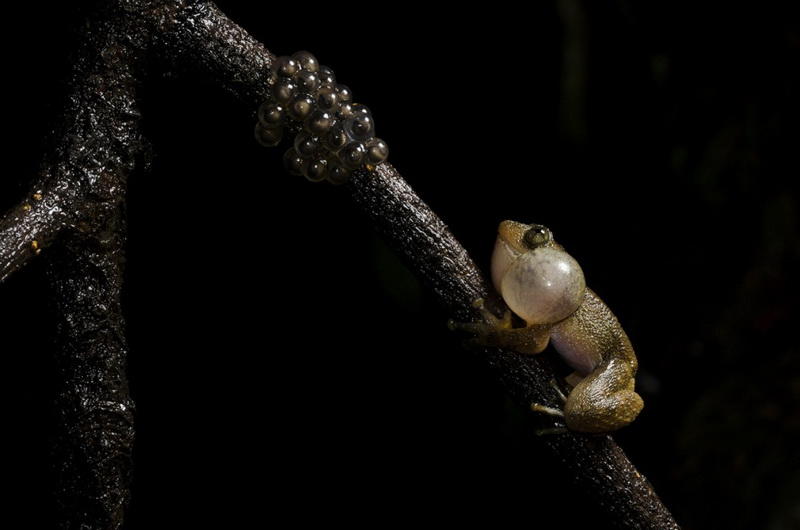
(334,136)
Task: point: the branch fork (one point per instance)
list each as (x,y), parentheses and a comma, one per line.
(74,215)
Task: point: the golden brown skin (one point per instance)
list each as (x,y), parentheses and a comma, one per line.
(604,400)
(590,339)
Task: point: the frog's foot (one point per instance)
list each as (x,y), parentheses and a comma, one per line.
(490,321)
(499,332)
(551,411)
(551,430)
(487,331)
(557,388)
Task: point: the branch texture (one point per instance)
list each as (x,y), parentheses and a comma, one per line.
(77,206)
(206,39)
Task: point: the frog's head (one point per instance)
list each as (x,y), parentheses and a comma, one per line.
(513,240)
(522,237)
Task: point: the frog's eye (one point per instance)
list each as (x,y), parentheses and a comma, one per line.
(537,236)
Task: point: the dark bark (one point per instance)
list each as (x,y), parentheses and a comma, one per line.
(76,207)
(78,202)
(95,411)
(596,463)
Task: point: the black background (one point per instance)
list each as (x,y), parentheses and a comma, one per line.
(286,365)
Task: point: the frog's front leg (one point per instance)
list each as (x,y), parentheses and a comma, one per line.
(498,332)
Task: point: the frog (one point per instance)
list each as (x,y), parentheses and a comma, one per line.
(545,289)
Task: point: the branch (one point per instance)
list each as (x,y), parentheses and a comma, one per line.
(92,149)
(204,39)
(76,207)
(93,405)
(78,203)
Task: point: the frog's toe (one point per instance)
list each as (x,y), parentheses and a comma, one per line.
(544,409)
(558,428)
(503,322)
(481,333)
(551,430)
(473,328)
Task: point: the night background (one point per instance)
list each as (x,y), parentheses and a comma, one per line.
(287,366)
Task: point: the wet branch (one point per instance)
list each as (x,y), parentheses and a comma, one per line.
(77,206)
(209,41)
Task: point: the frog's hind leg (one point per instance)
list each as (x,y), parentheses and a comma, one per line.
(602,415)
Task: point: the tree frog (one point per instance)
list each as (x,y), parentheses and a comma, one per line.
(545,287)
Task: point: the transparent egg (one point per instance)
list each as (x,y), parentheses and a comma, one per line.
(294,163)
(377,151)
(268,137)
(336,138)
(306,145)
(316,170)
(344,111)
(337,174)
(301,106)
(326,76)
(327,98)
(352,155)
(286,67)
(284,90)
(345,95)
(320,122)
(270,114)
(307,81)
(307,60)
(360,126)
